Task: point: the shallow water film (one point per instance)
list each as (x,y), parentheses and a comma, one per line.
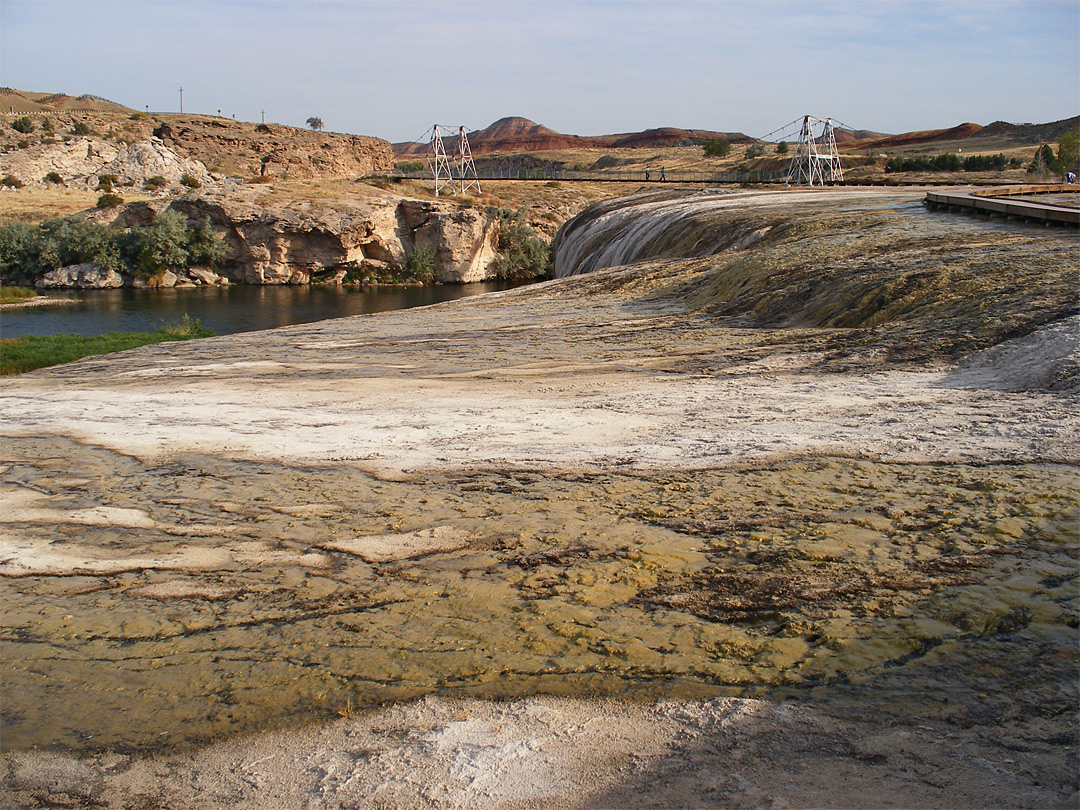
(161,606)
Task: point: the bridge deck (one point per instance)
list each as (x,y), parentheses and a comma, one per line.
(1004,202)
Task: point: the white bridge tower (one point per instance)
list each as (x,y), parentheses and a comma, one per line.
(440,165)
(816,161)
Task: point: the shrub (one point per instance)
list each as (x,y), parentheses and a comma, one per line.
(106,182)
(522,252)
(983,163)
(155,183)
(79,128)
(28,251)
(941,163)
(138,116)
(189,181)
(46,125)
(68,241)
(19,243)
(161,246)
(1043,161)
(11,181)
(410,166)
(23,144)
(718,147)
(54,177)
(109,200)
(782,148)
(420,264)
(24,125)
(205,245)
(755,150)
(315,123)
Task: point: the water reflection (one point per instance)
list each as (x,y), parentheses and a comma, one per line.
(237,308)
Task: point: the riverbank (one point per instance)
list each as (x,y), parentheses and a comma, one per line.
(37,301)
(822,573)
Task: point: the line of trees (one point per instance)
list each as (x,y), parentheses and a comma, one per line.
(1045,161)
(169,243)
(952,163)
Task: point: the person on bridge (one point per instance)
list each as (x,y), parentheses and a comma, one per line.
(648,174)
(663,173)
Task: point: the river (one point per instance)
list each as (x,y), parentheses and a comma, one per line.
(225,310)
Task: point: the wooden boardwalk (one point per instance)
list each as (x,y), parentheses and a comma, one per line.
(1005,201)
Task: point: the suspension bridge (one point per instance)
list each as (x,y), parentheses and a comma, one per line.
(814,160)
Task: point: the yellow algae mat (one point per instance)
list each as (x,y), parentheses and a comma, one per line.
(214,596)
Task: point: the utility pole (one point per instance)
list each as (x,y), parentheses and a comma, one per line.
(181,100)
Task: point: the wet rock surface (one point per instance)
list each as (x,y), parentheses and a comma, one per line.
(605,548)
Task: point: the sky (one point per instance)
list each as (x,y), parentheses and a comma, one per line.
(582,67)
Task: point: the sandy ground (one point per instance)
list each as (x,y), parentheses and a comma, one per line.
(569,378)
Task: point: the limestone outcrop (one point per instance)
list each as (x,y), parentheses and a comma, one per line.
(152,158)
(80,162)
(92,276)
(86,276)
(275,240)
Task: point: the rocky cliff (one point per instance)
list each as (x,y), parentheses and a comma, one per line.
(285,240)
(225,146)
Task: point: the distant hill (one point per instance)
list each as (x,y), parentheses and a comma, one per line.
(516,134)
(19,101)
(1018,133)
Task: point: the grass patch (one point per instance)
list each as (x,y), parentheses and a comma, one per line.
(18,355)
(12,295)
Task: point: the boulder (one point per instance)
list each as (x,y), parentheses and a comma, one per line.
(203,275)
(166,279)
(86,276)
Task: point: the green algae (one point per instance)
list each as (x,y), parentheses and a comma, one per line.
(794,575)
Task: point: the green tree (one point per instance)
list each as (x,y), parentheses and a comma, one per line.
(19,246)
(161,246)
(315,123)
(1044,160)
(205,245)
(24,124)
(782,148)
(1068,156)
(718,147)
(69,241)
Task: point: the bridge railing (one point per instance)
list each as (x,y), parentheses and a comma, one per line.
(612,175)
